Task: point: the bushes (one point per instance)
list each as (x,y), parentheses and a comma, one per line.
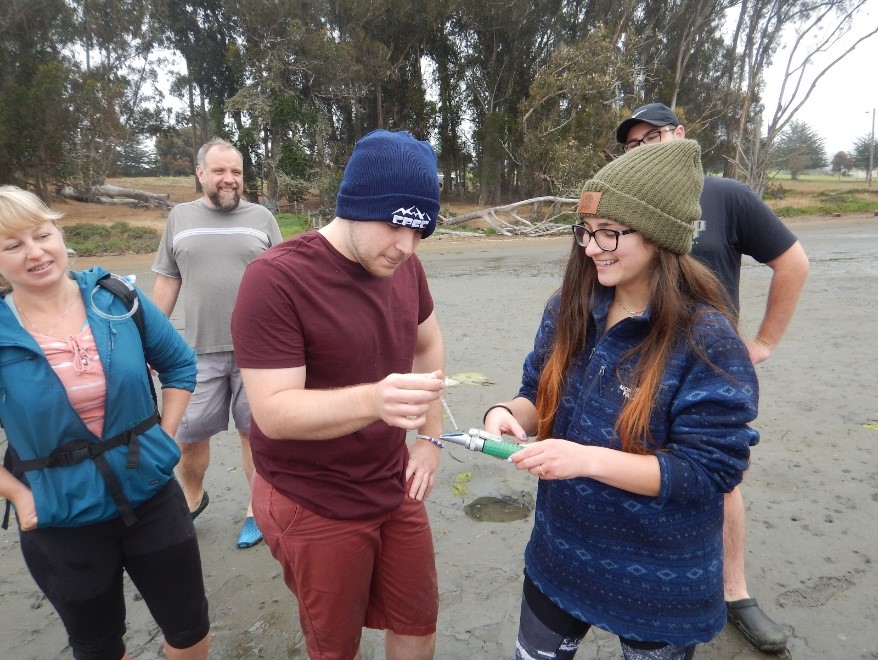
(90,239)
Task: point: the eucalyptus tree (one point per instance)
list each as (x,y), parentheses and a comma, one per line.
(568,119)
(114,94)
(821,33)
(36,118)
(505,42)
(204,33)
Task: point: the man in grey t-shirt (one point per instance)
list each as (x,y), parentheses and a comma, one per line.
(204,250)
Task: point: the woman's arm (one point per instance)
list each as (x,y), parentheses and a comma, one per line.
(174,402)
(20,496)
(562,459)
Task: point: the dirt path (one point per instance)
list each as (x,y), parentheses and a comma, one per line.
(812,491)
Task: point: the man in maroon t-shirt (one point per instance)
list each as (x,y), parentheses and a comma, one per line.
(341,354)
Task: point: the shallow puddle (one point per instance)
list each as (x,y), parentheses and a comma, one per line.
(495,509)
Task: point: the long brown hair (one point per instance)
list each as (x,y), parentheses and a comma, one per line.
(678,287)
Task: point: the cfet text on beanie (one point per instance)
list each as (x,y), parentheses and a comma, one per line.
(391,176)
(653,189)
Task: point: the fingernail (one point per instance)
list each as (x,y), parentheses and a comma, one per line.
(509,460)
(524,436)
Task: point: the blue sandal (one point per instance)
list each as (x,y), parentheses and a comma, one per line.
(250,534)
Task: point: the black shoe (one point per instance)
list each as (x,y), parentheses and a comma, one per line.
(205,500)
(754,624)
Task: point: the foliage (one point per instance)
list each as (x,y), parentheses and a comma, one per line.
(174,152)
(133,158)
(797,149)
(36,125)
(842,163)
(292,224)
(862,148)
(828,202)
(520,97)
(90,239)
(567,120)
(774,191)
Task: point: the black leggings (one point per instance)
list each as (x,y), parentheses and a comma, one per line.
(546,632)
(80,571)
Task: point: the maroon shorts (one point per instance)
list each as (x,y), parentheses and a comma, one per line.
(347,574)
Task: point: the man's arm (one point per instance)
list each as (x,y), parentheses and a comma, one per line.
(420,472)
(283,408)
(430,358)
(165,291)
(790,270)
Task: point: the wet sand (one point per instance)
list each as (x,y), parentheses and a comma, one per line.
(811,493)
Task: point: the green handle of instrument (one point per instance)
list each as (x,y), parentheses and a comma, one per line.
(500,449)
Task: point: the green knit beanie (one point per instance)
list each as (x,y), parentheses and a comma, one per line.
(653,189)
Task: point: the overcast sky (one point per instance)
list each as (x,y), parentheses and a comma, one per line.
(840,107)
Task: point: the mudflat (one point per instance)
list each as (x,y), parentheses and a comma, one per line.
(811,493)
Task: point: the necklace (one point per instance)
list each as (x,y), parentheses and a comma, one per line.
(54,327)
(630,311)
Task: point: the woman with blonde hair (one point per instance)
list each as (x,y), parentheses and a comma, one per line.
(639,391)
(89,463)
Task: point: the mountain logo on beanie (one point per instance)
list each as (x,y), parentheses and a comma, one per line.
(411,217)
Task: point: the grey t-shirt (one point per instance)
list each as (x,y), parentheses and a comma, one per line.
(209,249)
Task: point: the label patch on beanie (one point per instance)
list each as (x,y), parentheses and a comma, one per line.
(411,217)
(589,201)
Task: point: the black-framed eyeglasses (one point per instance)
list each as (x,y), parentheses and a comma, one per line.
(649,138)
(606,239)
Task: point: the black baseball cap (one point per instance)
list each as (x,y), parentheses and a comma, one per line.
(656,114)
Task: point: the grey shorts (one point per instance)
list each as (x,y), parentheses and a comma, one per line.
(218,388)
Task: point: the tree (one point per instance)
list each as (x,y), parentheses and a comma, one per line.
(174,152)
(114,92)
(862,147)
(134,158)
(36,120)
(842,163)
(818,29)
(568,120)
(797,149)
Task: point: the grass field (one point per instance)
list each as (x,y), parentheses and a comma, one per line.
(812,194)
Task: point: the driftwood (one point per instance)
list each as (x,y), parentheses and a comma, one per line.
(115,195)
(507,220)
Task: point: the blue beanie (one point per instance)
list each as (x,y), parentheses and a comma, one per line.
(393,177)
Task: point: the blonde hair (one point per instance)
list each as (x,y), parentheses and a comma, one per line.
(21,210)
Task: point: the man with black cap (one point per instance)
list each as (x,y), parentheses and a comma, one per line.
(734,222)
(341,354)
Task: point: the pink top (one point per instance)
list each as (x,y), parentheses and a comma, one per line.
(78,366)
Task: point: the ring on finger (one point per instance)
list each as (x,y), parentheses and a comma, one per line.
(541,470)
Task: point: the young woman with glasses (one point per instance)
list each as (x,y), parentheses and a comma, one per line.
(639,392)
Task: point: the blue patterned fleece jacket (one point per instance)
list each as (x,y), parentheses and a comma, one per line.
(644,568)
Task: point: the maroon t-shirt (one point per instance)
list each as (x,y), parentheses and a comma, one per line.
(302,303)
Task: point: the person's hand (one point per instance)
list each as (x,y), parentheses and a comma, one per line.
(402,400)
(500,421)
(552,459)
(420,472)
(759,350)
(25,510)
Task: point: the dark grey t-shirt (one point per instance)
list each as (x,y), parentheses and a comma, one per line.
(734,221)
(209,249)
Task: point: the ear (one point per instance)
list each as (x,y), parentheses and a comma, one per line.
(680,132)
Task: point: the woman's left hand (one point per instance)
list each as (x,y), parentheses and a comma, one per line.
(26,510)
(552,459)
